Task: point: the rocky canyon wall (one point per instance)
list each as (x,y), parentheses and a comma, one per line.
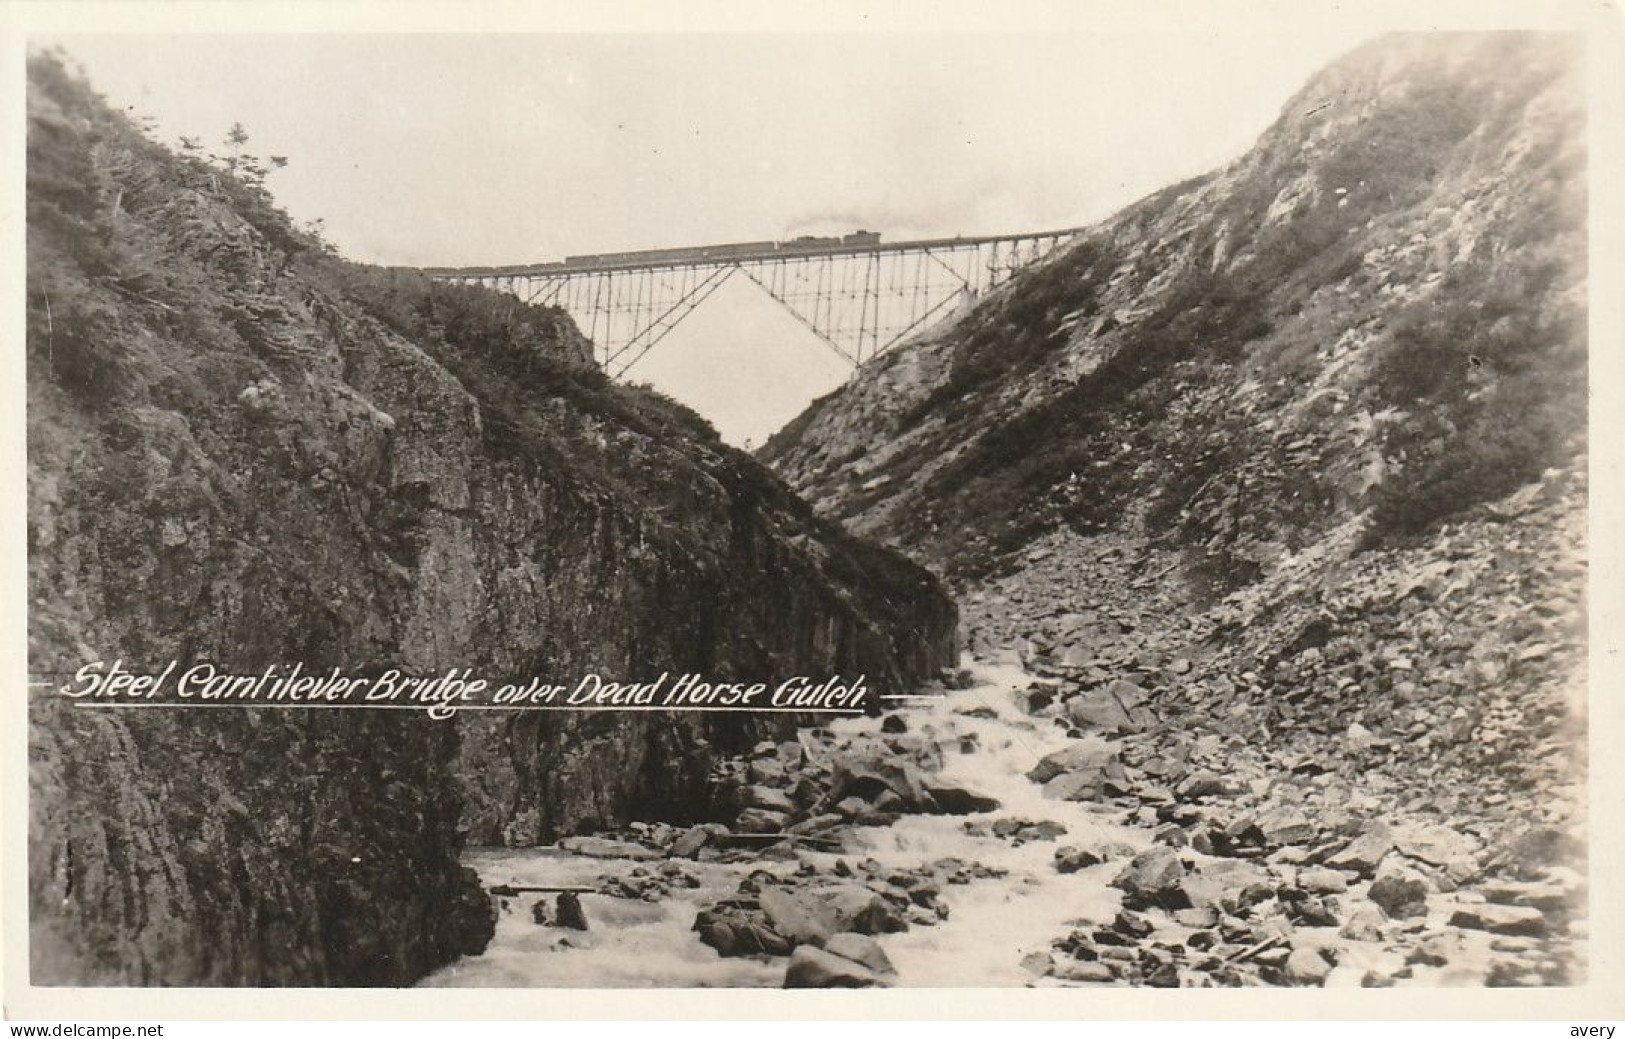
(244,451)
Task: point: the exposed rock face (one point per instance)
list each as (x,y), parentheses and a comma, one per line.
(244,452)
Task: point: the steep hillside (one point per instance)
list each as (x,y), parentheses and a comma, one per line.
(247,452)
(1379,309)
(1283,469)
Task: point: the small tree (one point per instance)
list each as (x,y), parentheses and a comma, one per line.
(236,137)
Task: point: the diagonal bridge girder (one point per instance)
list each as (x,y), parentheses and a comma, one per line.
(856,295)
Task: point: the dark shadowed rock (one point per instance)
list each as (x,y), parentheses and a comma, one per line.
(1501,919)
(739,928)
(1153,878)
(870,772)
(1070,860)
(567,912)
(1400,893)
(953,800)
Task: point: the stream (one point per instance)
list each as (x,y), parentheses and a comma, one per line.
(993,923)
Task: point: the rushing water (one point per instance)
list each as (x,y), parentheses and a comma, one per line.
(993,922)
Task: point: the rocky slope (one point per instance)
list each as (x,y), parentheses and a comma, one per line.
(244,451)
(1280,474)
(1378,309)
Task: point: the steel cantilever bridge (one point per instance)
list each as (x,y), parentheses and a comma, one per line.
(859,295)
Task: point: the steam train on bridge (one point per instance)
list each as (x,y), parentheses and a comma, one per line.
(732,251)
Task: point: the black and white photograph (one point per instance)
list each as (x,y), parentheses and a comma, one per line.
(1093,505)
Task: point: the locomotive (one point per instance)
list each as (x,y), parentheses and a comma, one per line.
(734,250)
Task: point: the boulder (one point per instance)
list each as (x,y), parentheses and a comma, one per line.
(1164,975)
(758,796)
(953,800)
(1083,785)
(1500,919)
(1321,881)
(867,774)
(1200,918)
(1306,966)
(1101,710)
(1548,895)
(1309,911)
(1435,951)
(816,968)
(1037,697)
(1070,859)
(1365,923)
(567,912)
(853,807)
(767,770)
(1153,878)
(861,910)
(860,948)
(1401,892)
(1093,753)
(1365,853)
(1436,845)
(889,801)
(738,929)
(815,824)
(1044,830)
(1039,963)
(1199,784)
(1083,972)
(1286,825)
(801,917)
(760,820)
(689,842)
(1361,739)
(1075,655)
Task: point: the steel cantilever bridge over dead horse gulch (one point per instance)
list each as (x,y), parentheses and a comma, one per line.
(860,295)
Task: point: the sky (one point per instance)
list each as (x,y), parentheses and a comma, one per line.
(490,149)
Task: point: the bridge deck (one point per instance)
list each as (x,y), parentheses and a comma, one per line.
(719,255)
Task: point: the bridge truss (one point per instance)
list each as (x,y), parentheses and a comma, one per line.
(860,297)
